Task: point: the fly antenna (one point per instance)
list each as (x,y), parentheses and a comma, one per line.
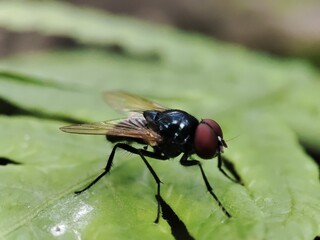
(230,139)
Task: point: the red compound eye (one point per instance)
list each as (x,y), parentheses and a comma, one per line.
(206,140)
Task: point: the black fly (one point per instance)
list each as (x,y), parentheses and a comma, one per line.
(170,132)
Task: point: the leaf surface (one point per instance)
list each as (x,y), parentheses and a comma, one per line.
(268,106)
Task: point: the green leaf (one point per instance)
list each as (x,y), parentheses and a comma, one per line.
(268,106)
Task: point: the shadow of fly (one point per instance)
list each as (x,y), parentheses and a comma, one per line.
(170,133)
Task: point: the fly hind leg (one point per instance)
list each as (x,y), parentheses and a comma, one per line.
(142,153)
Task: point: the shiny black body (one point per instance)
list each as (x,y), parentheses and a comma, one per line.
(177,129)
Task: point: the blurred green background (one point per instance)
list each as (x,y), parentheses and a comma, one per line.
(251,66)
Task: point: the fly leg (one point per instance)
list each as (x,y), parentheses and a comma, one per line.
(106,170)
(142,153)
(185,162)
(223,172)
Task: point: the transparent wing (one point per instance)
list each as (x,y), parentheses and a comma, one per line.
(134,127)
(130,103)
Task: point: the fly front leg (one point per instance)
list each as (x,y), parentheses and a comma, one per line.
(220,161)
(187,163)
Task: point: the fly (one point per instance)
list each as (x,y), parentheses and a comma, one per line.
(170,133)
